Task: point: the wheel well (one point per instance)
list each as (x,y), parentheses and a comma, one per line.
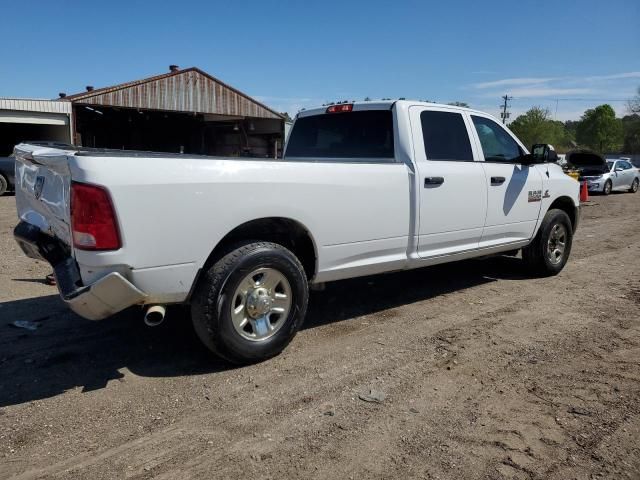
(283,231)
(566,204)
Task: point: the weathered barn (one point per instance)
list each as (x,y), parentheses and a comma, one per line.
(185,111)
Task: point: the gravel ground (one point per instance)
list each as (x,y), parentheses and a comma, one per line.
(485,373)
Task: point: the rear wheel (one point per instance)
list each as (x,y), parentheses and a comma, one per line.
(250,304)
(4,185)
(607,187)
(634,186)
(549,251)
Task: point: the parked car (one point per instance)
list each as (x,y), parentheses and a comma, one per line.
(603,175)
(7,169)
(363,188)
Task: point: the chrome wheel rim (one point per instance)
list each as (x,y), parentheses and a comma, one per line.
(557,243)
(261,304)
(607,187)
(634,186)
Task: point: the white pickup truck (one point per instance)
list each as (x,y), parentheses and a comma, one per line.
(363,188)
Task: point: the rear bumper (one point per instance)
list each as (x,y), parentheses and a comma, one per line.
(109,295)
(103,298)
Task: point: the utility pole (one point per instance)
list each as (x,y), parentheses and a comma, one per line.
(504,106)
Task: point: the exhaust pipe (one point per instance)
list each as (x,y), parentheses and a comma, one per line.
(154,315)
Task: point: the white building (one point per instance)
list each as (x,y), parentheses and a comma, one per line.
(33,119)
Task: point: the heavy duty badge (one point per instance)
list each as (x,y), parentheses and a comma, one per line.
(535,195)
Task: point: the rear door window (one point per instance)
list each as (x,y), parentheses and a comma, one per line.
(445,136)
(625,165)
(353,136)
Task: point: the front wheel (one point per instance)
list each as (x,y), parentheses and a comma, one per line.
(607,187)
(634,186)
(250,304)
(550,249)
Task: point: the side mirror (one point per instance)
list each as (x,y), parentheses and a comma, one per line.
(618,169)
(543,152)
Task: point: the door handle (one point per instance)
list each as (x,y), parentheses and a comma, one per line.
(428,181)
(497,180)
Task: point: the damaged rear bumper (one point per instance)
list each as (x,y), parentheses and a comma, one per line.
(109,295)
(103,298)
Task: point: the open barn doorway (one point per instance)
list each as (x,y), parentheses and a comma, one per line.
(177,132)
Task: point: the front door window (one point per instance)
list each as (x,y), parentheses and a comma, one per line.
(497,144)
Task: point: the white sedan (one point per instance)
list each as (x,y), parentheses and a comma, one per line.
(617,175)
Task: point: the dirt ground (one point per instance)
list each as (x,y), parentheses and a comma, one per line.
(486,373)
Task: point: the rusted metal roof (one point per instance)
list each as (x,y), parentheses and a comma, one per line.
(34,105)
(188,90)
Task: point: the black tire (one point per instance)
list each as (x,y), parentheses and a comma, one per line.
(535,255)
(634,186)
(4,185)
(606,190)
(213,297)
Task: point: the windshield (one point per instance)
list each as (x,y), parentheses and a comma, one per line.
(610,165)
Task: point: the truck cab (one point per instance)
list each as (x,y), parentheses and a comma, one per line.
(474,186)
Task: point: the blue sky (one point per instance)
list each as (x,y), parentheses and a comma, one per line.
(294,54)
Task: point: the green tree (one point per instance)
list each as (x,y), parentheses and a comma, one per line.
(599,129)
(566,138)
(536,126)
(631,133)
(571,126)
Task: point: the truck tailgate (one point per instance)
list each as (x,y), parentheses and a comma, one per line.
(43,182)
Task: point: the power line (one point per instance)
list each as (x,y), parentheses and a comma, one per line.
(572,99)
(504,106)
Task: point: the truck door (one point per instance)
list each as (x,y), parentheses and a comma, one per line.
(514,190)
(452,188)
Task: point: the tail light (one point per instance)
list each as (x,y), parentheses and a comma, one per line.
(93,221)
(342,107)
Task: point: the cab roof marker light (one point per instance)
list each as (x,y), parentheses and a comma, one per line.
(340,108)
